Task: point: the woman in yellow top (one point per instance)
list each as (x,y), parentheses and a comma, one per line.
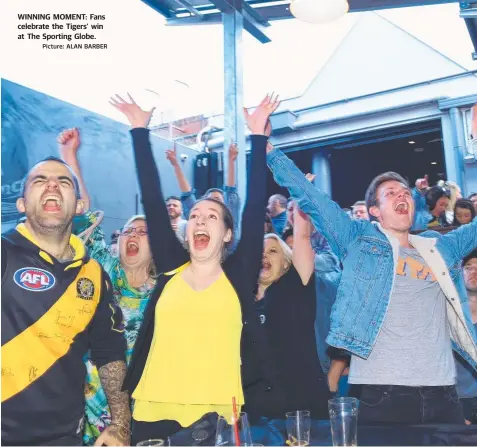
(200,321)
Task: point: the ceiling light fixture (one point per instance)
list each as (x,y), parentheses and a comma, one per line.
(318,11)
(433,162)
(412,142)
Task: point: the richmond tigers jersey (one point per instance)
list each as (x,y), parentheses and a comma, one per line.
(52,313)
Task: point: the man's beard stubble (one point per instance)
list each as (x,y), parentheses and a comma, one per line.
(41,226)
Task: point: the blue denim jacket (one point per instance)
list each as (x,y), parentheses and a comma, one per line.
(327,279)
(422,216)
(369,257)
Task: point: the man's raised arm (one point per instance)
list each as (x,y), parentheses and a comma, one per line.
(327,217)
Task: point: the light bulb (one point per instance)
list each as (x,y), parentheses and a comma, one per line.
(318,11)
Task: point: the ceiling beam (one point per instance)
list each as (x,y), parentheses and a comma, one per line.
(282,11)
(159,7)
(252,21)
(190,8)
(207,19)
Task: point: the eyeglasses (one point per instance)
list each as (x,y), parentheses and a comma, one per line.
(140,231)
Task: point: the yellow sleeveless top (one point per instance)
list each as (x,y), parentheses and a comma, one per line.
(193,366)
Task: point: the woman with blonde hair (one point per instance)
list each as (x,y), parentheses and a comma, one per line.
(286,303)
(133,277)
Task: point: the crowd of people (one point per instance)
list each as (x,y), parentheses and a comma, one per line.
(195,304)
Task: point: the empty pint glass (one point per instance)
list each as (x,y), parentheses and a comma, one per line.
(344,420)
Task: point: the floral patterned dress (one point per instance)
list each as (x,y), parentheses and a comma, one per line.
(132,302)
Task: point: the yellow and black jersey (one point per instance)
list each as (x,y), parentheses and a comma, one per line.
(52,314)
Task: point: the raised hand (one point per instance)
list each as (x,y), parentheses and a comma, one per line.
(69,142)
(257,121)
(310,177)
(422,183)
(171,155)
(136,116)
(233,152)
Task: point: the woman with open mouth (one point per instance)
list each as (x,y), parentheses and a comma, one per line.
(201,318)
(286,303)
(133,277)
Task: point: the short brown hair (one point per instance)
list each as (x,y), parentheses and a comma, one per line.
(371,193)
(359,203)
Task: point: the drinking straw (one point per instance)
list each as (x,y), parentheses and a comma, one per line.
(236,430)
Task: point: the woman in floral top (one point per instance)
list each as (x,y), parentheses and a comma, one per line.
(132,275)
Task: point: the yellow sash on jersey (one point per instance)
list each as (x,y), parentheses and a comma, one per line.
(31,353)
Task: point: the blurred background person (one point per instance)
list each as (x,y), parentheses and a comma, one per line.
(277,207)
(359,211)
(464,212)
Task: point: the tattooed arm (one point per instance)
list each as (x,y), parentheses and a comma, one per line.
(112,377)
(108,347)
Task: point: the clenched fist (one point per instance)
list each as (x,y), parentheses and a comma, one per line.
(69,142)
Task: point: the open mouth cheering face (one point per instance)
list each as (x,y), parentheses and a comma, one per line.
(206,231)
(395,207)
(134,247)
(50,196)
(274,263)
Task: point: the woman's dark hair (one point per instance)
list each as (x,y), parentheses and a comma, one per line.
(465,204)
(371,198)
(211,190)
(434,193)
(287,233)
(226,217)
(269,223)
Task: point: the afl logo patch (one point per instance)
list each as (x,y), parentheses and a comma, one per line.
(35,280)
(85,289)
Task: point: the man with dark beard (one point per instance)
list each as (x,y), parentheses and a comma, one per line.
(56,305)
(174,209)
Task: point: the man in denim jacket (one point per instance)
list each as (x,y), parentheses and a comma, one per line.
(401,305)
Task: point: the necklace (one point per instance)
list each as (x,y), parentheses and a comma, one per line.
(144,286)
(70,256)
